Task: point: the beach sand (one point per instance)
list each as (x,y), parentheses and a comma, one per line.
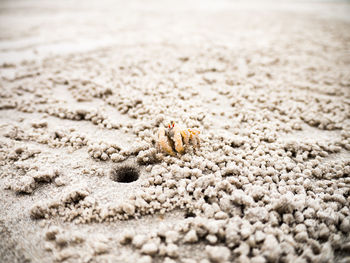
(85,86)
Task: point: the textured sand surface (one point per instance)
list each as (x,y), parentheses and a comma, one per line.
(84,88)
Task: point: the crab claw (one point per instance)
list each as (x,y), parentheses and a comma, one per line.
(178,140)
(163,142)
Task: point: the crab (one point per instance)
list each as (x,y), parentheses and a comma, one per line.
(176,139)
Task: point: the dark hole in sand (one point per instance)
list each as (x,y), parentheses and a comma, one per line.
(125,174)
(189,214)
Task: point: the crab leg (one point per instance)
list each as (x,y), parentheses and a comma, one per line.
(185,136)
(194,137)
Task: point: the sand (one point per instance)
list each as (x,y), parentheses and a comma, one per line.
(84,88)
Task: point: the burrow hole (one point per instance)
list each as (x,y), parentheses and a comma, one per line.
(125,174)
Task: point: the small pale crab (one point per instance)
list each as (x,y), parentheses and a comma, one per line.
(176,139)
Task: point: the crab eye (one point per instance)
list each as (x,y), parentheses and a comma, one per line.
(169,126)
(173,125)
